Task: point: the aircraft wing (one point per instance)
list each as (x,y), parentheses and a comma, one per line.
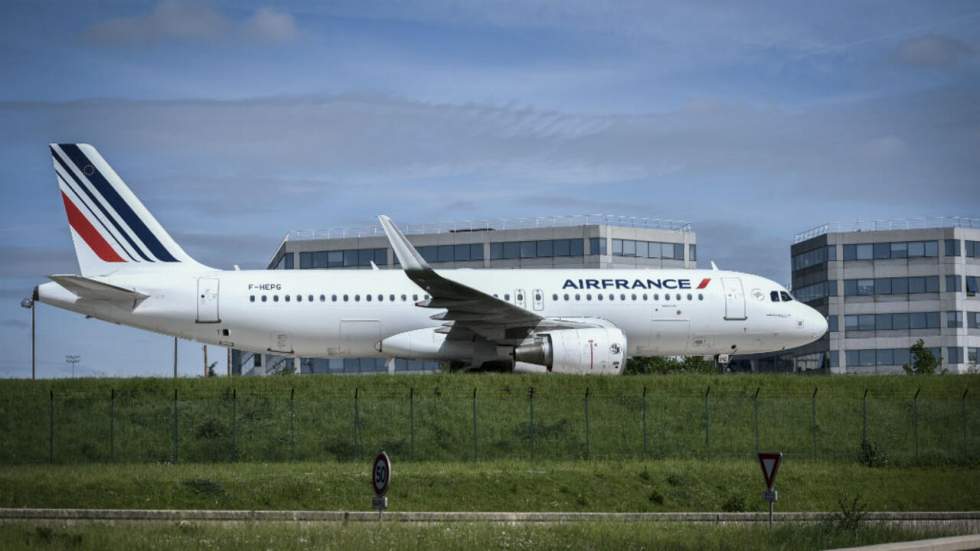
(92,289)
(467,309)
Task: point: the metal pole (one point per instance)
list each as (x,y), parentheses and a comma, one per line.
(755,418)
(175,357)
(112,425)
(228,363)
(176,437)
(234,424)
(33,341)
(475,449)
(864,416)
(411,421)
(707,420)
(770,515)
(357,422)
(292,424)
(915,423)
(588,428)
(813,421)
(205,347)
(530,416)
(50,426)
(643,419)
(963,420)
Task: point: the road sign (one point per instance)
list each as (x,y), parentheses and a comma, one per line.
(769,461)
(381,474)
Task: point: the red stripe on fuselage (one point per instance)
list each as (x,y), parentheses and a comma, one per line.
(704,283)
(88,232)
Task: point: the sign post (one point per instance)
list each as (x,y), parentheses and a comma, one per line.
(380,480)
(769,461)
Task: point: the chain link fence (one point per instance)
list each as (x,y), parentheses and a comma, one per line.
(432,425)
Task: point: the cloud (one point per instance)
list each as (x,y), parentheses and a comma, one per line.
(176,21)
(933,51)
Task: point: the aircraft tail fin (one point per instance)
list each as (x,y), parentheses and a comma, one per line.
(111,229)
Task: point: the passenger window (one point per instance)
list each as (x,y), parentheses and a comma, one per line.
(700,296)
(415,298)
(251,298)
(774,296)
(554,298)
(644,296)
(588,296)
(690,296)
(404,298)
(323,298)
(598,296)
(785,296)
(346,298)
(678,296)
(286,297)
(299,298)
(566,297)
(578,296)
(507,296)
(367,298)
(263,298)
(391,298)
(333,298)
(656,296)
(275,298)
(310,298)
(357,298)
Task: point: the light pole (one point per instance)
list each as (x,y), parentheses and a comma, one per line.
(30,303)
(73,359)
(175,358)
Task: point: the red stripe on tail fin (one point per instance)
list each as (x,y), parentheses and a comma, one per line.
(88,232)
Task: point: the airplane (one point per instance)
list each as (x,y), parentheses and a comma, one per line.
(583,321)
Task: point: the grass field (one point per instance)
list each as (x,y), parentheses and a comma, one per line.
(627,486)
(490,417)
(586,535)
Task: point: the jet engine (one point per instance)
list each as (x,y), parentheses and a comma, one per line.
(600,351)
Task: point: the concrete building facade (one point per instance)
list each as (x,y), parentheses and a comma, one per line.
(588,241)
(885,285)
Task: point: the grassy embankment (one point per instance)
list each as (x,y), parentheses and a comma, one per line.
(431,418)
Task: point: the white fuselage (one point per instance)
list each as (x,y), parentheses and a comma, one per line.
(346,313)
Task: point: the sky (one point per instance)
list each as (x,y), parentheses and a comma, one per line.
(236,122)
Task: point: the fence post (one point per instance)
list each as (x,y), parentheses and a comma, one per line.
(966,449)
(530,417)
(475,449)
(292,424)
(588,428)
(755,418)
(707,420)
(915,423)
(112,425)
(864,422)
(176,435)
(234,424)
(411,421)
(51,426)
(643,419)
(813,421)
(357,422)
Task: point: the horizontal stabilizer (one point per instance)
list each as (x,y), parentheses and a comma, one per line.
(91,289)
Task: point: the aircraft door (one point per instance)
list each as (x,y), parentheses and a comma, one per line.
(734,298)
(519,298)
(538,299)
(207,300)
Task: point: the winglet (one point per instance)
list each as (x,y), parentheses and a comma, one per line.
(408,257)
(714,266)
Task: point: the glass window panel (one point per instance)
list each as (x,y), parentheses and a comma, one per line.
(445,253)
(851,322)
(335,259)
(562,247)
(305,261)
(932,320)
(971,285)
(885,356)
(899,250)
(529,249)
(496,251)
(512,249)
(917,249)
(364,257)
(917,320)
(900,321)
(831,252)
(900,286)
(882,250)
(642,249)
(901,356)
(476,251)
(953,284)
(954,320)
(865,287)
(917,285)
(461,253)
(832,324)
(617,247)
(932,248)
(288,261)
(429,252)
(932,284)
(666,250)
(853,358)
(546,248)
(350,258)
(321,259)
(883,322)
(971,248)
(653,249)
(866,322)
(692,252)
(381,257)
(678,251)
(972,355)
(850,253)
(597,245)
(577,247)
(883,286)
(865,251)
(850,287)
(867,358)
(629,247)
(952,247)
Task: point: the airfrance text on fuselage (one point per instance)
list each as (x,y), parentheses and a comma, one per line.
(632,284)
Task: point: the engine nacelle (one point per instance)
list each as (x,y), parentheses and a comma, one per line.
(598,351)
(428,344)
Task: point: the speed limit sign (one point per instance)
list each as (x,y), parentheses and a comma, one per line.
(381,474)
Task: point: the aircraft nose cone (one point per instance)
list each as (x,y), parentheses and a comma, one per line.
(814,324)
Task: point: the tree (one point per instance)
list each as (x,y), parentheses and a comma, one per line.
(923,362)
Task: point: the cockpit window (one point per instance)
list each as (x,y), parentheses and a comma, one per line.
(785,295)
(774,296)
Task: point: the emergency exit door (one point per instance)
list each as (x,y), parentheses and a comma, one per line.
(734,298)
(207,300)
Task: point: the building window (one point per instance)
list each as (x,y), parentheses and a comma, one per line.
(971,248)
(952,247)
(954,319)
(832,323)
(954,355)
(971,286)
(954,284)
(692,252)
(971,355)
(973,320)
(597,246)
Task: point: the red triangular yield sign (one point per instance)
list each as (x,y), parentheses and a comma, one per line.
(769,461)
